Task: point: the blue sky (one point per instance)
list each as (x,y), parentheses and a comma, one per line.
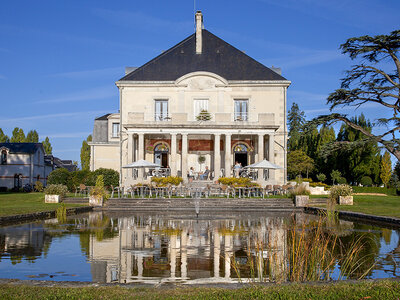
(59,60)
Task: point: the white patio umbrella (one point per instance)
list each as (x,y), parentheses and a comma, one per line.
(142,164)
(264,164)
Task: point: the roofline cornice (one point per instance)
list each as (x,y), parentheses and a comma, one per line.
(285,83)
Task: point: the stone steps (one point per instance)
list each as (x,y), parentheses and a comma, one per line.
(204,204)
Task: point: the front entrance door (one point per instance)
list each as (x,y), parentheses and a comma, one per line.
(241,158)
(161,158)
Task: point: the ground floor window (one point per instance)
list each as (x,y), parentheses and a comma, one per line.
(18,181)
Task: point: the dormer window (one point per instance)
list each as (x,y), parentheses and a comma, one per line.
(3,157)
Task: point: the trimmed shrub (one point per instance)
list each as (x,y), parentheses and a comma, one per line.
(237,182)
(164,181)
(314,184)
(59,176)
(38,186)
(340,190)
(366,181)
(342,180)
(111,177)
(56,189)
(77,178)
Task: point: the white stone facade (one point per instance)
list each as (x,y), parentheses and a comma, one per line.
(159,123)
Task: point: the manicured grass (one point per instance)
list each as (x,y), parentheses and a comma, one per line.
(22,203)
(373,189)
(384,289)
(374,205)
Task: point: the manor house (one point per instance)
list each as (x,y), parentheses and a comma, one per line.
(201,103)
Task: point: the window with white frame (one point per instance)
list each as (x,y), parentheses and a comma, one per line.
(3,157)
(241,109)
(161,110)
(115,130)
(199,106)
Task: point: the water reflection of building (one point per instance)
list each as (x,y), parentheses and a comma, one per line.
(152,249)
(26,240)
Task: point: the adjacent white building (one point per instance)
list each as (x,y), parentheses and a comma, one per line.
(201,103)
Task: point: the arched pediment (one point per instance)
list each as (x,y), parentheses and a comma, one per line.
(201,81)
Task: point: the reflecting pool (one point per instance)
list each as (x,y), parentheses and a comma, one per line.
(154,248)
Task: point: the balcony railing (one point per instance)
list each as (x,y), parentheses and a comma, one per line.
(161,117)
(241,116)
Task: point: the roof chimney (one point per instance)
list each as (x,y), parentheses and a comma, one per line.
(199,27)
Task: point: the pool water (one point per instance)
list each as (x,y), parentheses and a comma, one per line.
(155,248)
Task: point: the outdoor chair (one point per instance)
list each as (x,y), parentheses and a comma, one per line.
(277,190)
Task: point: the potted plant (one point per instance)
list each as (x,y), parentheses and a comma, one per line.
(98,194)
(300,195)
(204,115)
(342,194)
(54,193)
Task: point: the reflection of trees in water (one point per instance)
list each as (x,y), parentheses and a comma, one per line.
(369,239)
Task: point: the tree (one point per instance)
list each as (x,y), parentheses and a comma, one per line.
(335,175)
(357,158)
(59,176)
(32,137)
(371,81)
(18,135)
(47,146)
(85,153)
(3,137)
(386,168)
(296,120)
(299,163)
(396,169)
(321,177)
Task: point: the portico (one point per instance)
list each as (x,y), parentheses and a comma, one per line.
(220,146)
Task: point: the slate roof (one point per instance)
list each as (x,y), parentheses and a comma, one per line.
(217,57)
(27,148)
(103,117)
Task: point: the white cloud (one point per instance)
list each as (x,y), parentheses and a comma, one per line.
(53,116)
(67,135)
(85,95)
(89,73)
(142,21)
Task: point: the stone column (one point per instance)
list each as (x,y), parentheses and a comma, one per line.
(184,157)
(217,156)
(271,156)
(228,156)
(141,153)
(130,153)
(173,255)
(184,254)
(228,252)
(173,155)
(217,252)
(260,156)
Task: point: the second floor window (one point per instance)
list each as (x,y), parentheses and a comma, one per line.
(161,110)
(115,130)
(241,109)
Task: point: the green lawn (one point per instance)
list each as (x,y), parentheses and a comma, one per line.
(21,203)
(384,289)
(375,205)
